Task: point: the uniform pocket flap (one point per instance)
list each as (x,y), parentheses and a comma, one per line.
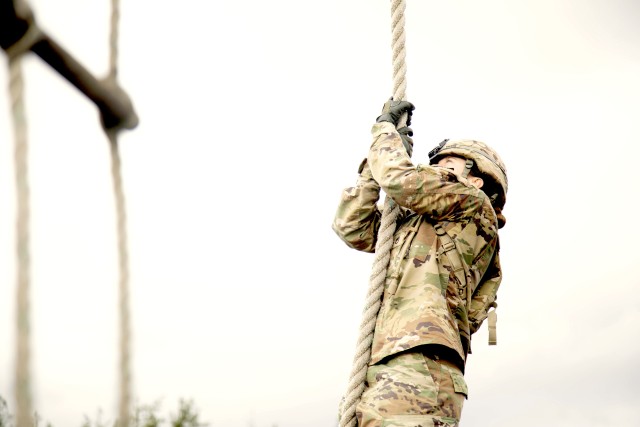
(459,384)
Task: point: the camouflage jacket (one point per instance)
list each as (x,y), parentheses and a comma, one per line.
(424,301)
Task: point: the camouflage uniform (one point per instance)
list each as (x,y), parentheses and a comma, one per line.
(423,331)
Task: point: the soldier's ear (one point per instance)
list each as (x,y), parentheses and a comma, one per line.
(476,181)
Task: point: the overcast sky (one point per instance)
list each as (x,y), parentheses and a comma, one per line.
(253,117)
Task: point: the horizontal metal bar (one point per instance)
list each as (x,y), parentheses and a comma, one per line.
(116,109)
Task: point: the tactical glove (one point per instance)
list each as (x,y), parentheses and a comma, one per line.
(393,110)
(405,134)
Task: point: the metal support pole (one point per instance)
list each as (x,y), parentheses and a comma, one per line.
(116,109)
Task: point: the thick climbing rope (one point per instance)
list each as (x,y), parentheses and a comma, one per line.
(124,410)
(383,244)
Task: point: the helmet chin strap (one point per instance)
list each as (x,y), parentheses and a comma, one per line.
(467,168)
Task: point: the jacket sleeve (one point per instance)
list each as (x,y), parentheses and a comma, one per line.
(426,190)
(357,218)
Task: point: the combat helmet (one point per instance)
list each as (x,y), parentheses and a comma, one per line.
(487,162)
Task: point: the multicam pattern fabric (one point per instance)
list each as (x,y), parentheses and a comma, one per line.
(424,302)
(412,390)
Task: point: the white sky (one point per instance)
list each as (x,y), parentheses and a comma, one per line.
(254,116)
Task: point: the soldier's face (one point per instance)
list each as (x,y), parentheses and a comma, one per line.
(454,163)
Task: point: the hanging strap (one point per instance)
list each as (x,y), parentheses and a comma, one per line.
(493,320)
(468,165)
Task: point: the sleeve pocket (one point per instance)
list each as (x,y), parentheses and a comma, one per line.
(459,384)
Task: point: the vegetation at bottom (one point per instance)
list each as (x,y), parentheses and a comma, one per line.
(143,416)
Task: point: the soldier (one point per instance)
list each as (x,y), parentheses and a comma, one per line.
(443,273)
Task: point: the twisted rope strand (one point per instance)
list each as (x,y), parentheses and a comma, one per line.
(383,244)
(398,50)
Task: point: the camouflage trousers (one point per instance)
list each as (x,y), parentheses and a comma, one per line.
(412,390)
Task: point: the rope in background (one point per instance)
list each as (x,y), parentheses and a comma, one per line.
(123,263)
(23,395)
(23,257)
(383,244)
(23,250)
(124,410)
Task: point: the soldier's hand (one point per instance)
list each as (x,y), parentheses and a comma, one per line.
(405,134)
(393,110)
